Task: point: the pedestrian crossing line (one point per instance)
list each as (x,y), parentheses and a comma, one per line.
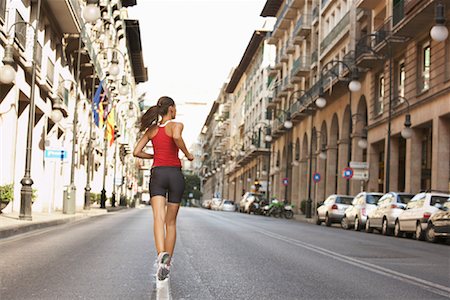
(427,285)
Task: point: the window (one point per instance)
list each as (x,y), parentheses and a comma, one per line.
(401,76)
(379,95)
(20,33)
(2,9)
(425,64)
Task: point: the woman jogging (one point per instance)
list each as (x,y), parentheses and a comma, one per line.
(166,179)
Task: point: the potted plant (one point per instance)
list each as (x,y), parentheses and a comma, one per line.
(6,195)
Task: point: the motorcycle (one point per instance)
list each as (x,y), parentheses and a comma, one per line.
(279,209)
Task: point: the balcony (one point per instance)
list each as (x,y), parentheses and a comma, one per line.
(336,32)
(271,103)
(410,18)
(272,72)
(301,67)
(68,12)
(290,49)
(303,26)
(314,57)
(398,12)
(284,57)
(367,4)
(289,86)
(283,19)
(298,110)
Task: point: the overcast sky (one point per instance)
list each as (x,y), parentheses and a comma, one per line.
(190,48)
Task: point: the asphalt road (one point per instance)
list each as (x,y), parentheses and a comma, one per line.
(219,255)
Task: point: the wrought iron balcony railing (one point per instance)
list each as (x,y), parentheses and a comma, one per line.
(335,32)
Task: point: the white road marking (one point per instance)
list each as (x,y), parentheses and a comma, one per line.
(163,289)
(427,285)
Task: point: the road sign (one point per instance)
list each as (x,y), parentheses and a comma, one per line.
(359,165)
(316,177)
(347,173)
(360,174)
(285,181)
(118,180)
(55,154)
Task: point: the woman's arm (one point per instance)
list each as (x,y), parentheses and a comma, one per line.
(139,149)
(178,139)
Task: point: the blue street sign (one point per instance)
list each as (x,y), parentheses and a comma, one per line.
(347,173)
(55,154)
(285,181)
(316,177)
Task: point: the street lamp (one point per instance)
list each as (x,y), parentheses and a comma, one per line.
(439,31)
(7,75)
(114,68)
(123,89)
(407,131)
(91,12)
(7,71)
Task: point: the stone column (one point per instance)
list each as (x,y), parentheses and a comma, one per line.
(303,179)
(342,164)
(413,162)
(372,157)
(295,184)
(441,155)
(394,163)
(320,186)
(331,170)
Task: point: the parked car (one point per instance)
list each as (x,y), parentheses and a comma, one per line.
(207,204)
(439,224)
(332,210)
(356,214)
(215,203)
(389,207)
(227,205)
(414,220)
(246,200)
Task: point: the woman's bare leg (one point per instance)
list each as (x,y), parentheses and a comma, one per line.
(159,218)
(171,227)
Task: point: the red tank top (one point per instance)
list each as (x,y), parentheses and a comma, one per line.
(165,150)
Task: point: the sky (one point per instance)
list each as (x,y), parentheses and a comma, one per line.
(190,48)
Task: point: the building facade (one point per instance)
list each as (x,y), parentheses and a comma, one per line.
(357,84)
(72,59)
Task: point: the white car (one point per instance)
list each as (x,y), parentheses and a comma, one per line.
(332,210)
(215,203)
(415,218)
(389,207)
(227,205)
(356,215)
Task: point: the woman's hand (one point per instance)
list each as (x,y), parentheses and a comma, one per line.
(190,157)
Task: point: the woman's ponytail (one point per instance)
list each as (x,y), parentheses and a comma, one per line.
(150,118)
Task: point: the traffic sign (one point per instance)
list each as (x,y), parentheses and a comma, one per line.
(347,173)
(316,177)
(55,154)
(285,181)
(361,174)
(359,165)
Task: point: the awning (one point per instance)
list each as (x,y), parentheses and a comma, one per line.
(271,8)
(135,50)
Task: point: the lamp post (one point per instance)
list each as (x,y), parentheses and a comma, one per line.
(118,114)
(353,86)
(7,74)
(287,124)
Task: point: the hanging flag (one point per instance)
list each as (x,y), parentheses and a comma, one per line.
(110,124)
(96,107)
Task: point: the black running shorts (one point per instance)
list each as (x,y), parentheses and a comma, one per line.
(167,182)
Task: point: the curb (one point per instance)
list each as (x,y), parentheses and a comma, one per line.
(16,230)
(303,219)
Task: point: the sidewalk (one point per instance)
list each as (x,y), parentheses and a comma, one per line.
(10,224)
(302,218)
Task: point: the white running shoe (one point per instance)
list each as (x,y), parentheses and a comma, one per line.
(163,265)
